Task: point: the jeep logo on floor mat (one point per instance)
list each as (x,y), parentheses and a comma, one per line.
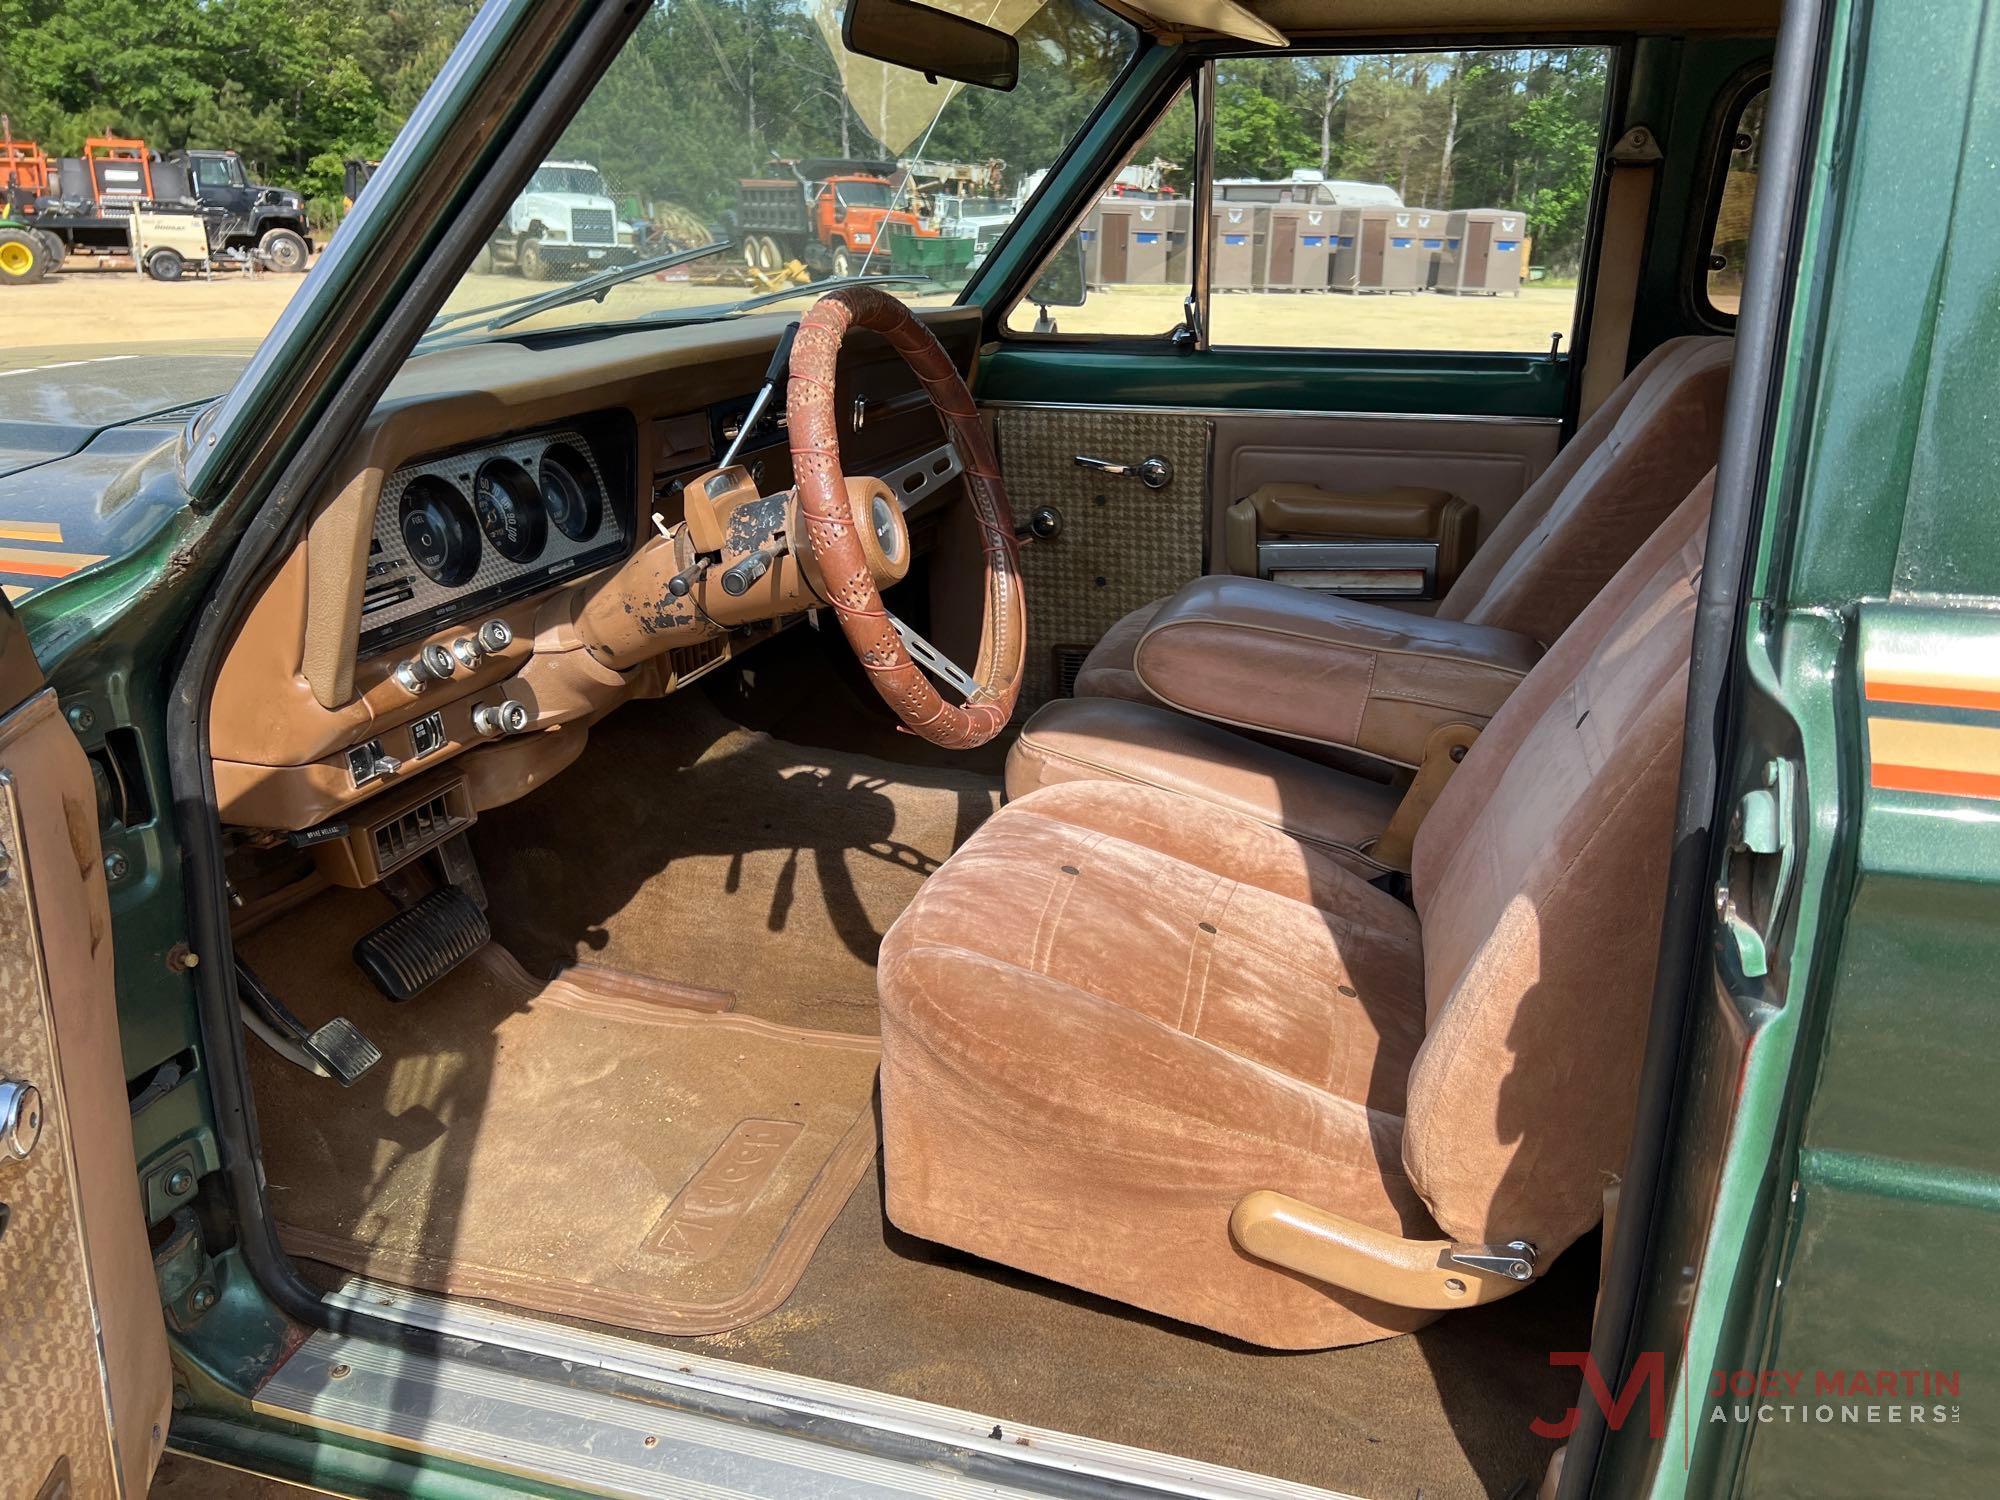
(700,1220)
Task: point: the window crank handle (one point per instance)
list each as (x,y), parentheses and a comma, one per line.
(1154,473)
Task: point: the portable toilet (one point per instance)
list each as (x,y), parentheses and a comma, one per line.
(1178,215)
(1379,251)
(1150,225)
(1238,232)
(1107,243)
(1483,252)
(1430,226)
(1299,247)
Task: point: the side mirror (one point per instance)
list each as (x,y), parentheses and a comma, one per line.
(1061,281)
(935,43)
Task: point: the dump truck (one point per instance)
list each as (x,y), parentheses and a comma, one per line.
(827,212)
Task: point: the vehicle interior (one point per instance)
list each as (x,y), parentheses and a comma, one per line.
(1087,856)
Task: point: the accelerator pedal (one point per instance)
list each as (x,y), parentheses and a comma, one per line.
(423,942)
(336,1050)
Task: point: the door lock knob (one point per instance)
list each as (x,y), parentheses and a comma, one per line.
(1045,524)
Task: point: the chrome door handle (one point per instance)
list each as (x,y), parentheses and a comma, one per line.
(20,1119)
(1154,473)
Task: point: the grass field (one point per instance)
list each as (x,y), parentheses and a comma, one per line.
(120,309)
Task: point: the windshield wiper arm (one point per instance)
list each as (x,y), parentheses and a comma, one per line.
(816,288)
(596,286)
(447,322)
(673,317)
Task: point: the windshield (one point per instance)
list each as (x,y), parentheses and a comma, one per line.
(864,194)
(725,122)
(583,181)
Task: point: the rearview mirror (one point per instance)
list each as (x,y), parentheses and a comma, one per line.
(932,42)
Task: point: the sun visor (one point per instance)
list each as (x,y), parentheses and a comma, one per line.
(1217,17)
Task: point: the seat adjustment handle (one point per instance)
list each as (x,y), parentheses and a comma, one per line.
(1328,1247)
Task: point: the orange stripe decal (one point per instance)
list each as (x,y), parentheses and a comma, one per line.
(1937,782)
(39,567)
(1933,694)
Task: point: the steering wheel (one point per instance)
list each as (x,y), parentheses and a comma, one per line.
(889,649)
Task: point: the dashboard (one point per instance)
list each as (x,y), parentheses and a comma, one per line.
(466,531)
(523,537)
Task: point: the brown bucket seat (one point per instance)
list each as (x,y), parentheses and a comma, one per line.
(1606,492)
(1141,1045)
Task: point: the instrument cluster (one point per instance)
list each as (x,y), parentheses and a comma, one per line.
(463,531)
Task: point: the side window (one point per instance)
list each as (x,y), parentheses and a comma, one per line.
(1729,234)
(1406,200)
(1128,263)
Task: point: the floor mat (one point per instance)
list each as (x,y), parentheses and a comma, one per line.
(683,844)
(575,1147)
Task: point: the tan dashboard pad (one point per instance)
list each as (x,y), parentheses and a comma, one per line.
(598,1149)
(834,533)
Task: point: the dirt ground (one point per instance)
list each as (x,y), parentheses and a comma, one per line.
(121,309)
(1330,320)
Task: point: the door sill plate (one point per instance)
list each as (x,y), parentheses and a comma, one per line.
(580,1411)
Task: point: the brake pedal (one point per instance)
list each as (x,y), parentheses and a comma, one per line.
(336,1049)
(422,943)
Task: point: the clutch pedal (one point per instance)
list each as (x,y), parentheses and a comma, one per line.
(336,1050)
(423,943)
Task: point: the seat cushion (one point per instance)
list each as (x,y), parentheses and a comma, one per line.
(1114,1012)
(1113,739)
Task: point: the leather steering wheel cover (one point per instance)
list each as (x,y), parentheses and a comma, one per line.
(832,534)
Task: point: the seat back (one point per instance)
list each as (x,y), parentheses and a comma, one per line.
(1626,469)
(1540,878)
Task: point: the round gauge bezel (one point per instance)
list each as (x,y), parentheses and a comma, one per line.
(460,559)
(574,467)
(524,497)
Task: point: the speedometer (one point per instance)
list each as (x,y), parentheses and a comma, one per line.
(438,529)
(510,510)
(570,492)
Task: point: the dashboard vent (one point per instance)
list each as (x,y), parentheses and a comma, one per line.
(685,661)
(394,827)
(416,830)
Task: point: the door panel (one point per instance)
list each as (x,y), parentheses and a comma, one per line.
(1487,463)
(84,1381)
(1122,543)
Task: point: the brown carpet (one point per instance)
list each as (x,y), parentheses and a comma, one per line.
(576,1148)
(180,1477)
(684,846)
(1439,1413)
